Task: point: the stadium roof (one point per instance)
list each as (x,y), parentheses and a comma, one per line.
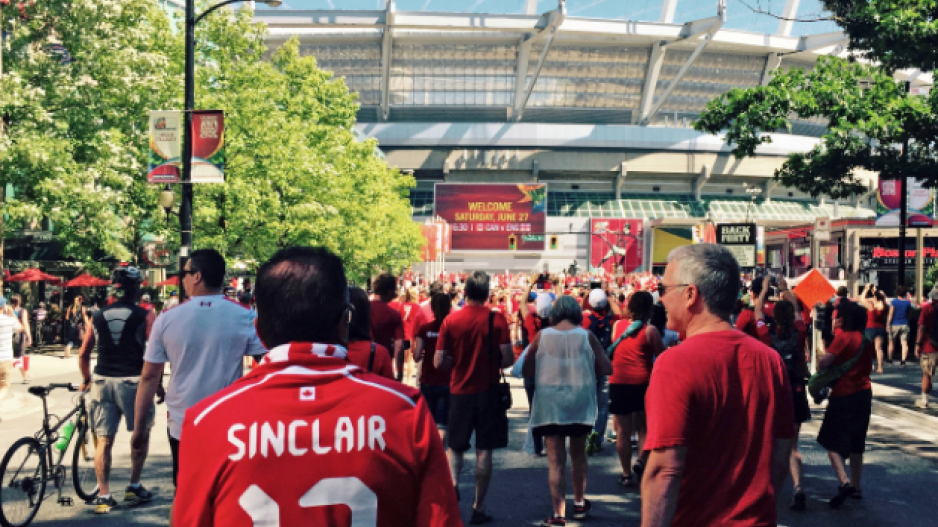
(642,62)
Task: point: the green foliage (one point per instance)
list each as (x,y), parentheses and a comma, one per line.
(75,144)
(895,33)
(295,174)
(870,118)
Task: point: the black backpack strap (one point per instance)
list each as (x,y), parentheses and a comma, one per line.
(371,358)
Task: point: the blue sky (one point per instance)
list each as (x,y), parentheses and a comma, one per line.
(738,15)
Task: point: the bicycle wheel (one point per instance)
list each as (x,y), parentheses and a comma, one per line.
(83,476)
(24,483)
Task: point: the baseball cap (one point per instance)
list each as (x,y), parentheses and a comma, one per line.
(598,299)
(542,304)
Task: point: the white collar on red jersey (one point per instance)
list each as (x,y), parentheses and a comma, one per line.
(293,350)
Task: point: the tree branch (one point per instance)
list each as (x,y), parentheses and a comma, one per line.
(759,10)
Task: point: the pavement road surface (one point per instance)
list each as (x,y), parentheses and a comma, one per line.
(899,480)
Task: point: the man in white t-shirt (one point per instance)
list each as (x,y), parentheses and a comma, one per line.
(9,325)
(203,340)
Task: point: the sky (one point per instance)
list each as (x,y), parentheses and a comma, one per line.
(740,15)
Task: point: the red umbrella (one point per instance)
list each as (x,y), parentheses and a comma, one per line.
(86,280)
(169,281)
(34,275)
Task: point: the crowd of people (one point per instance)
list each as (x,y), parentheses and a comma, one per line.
(372,398)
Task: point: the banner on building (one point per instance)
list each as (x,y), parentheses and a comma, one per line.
(487,217)
(920,203)
(704,233)
(165,147)
(741,239)
(616,244)
(208,146)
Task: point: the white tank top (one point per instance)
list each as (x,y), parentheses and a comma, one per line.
(565,379)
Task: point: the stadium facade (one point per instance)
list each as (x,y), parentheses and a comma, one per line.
(598,109)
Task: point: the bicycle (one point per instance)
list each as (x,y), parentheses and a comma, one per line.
(25,469)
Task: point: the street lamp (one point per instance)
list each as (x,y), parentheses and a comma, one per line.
(185,206)
(166,200)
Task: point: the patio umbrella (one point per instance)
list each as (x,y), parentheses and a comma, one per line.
(34,275)
(174,280)
(86,280)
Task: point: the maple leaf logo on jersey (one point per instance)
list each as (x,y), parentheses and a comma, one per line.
(308,393)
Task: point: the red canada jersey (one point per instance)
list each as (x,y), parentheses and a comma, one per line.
(309,439)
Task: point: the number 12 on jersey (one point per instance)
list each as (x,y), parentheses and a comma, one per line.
(351,492)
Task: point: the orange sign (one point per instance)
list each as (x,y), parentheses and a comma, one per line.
(814,288)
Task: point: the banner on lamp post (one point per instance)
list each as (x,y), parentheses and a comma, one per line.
(165,147)
(208,146)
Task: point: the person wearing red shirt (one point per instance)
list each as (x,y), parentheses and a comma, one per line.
(362,350)
(847,418)
(746,322)
(434,383)
(387,326)
(307,438)
(877,315)
(925,350)
(789,340)
(408,309)
(631,370)
(464,347)
(718,405)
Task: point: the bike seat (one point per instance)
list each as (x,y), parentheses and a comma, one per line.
(39,391)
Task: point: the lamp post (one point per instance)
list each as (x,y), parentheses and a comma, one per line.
(185,205)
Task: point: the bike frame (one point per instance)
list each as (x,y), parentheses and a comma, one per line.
(46,437)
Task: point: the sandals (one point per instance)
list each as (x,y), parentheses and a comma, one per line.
(626,481)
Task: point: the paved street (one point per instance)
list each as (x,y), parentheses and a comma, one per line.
(899,481)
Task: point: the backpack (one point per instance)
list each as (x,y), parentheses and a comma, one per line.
(601,328)
(788,349)
(933,332)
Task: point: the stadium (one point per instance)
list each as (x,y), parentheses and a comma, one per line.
(592,100)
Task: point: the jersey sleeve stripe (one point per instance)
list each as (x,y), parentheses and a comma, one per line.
(385,388)
(292,370)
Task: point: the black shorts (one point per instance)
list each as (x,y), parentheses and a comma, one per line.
(845,423)
(800,401)
(174,448)
(563,430)
(625,399)
(437,398)
(480,413)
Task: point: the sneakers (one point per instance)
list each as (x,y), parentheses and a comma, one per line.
(137,495)
(626,481)
(799,502)
(480,516)
(921,403)
(593,445)
(555,520)
(104,505)
(580,512)
(843,492)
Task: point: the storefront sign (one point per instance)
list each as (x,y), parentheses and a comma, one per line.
(741,240)
(883,253)
(486,216)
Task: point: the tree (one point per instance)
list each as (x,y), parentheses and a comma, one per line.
(874,124)
(78,80)
(295,173)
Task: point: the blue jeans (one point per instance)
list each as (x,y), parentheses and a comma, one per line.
(529,391)
(602,402)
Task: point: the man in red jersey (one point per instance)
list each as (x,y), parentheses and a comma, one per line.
(463,346)
(307,438)
(719,406)
(387,326)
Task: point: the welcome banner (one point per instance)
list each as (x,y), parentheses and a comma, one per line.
(485,216)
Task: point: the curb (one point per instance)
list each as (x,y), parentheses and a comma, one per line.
(891,411)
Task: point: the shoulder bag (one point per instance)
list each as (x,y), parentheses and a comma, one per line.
(502,387)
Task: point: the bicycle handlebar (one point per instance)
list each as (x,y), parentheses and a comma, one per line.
(72,387)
